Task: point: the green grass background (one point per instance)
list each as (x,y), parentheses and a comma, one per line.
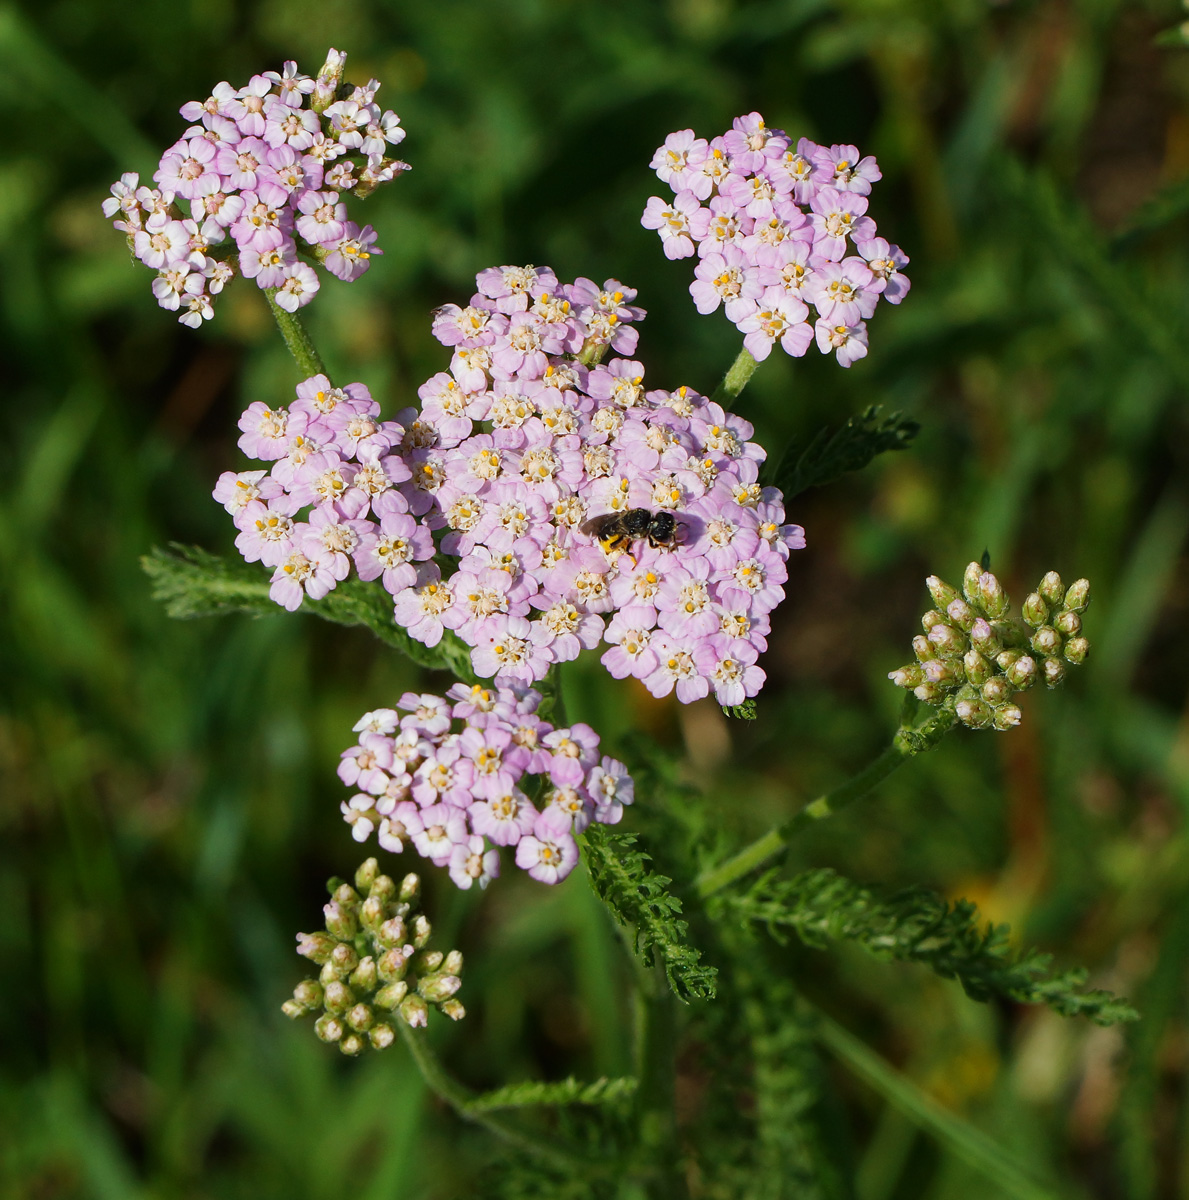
(168,803)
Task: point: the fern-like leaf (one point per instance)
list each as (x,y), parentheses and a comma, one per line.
(533,1093)
(919,926)
(642,901)
(191,582)
(831,454)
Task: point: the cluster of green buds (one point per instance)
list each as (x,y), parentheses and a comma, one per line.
(974,658)
(376,968)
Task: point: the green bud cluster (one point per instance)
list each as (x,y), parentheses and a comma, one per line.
(973,657)
(376,967)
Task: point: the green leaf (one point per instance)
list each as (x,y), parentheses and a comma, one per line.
(565,1092)
(919,926)
(741,712)
(191,582)
(642,901)
(965,1142)
(851,447)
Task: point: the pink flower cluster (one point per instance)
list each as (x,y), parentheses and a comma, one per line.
(267,164)
(518,458)
(336,464)
(453,777)
(523,449)
(772,226)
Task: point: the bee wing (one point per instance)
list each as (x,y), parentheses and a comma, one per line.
(595,526)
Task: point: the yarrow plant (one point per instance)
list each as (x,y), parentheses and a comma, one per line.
(256,187)
(778,229)
(541,501)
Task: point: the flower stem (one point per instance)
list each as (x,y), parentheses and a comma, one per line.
(460,1098)
(907,743)
(735,380)
(308,360)
(656,1117)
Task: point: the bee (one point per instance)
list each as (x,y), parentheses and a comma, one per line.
(615,532)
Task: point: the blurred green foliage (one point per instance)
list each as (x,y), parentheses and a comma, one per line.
(168,804)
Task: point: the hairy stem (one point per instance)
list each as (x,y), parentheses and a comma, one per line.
(308,360)
(735,380)
(907,744)
(462,1100)
(656,1118)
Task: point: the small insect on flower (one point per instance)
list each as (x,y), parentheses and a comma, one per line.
(615,532)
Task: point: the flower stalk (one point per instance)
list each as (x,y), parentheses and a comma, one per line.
(297,339)
(906,744)
(736,378)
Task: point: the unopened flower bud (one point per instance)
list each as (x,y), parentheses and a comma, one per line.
(947,640)
(414,1011)
(931,618)
(1007,717)
(929,693)
(346,896)
(454,1010)
(970,578)
(431,960)
(360,1018)
(330,974)
(366,874)
(338,997)
(438,987)
(973,713)
(961,614)
(907,676)
(453,963)
(308,993)
(381,1036)
(993,598)
(392,965)
(1052,589)
(1022,673)
(392,932)
(364,976)
(293,1010)
(984,638)
(996,691)
(1054,672)
(1076,650)
(372,912)
(923,648)
(410,888)
(390,996)
(421,930)
(1046,641)
(978,669)
(943,595)
(352,1045)
(941,671)
(340,921)
(327,82)
(1005,658)
(1077,599)
(315,946)
(382,889)
(1035,610)
(344,957)
(1068,623)
(328,1028)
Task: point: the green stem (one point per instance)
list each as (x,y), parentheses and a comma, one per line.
(907,744)
(308,360)
(656,1067)
(735,380)
(462,1100)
